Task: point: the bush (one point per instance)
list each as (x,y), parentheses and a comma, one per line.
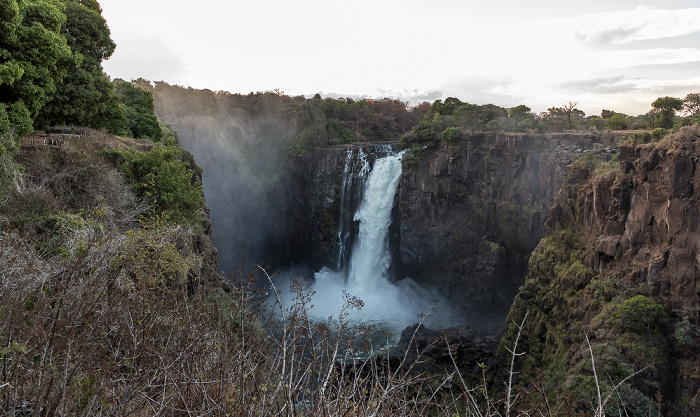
(165,180)
(659,133)
(451,134)
(638,314)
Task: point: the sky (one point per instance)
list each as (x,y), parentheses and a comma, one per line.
(602,54)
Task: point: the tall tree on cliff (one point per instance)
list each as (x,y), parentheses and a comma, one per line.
(86,96)
(664,109)
(691,104)
(138,102)
(34,57)
(572,113)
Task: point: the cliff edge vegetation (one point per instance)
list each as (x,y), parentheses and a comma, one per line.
(615,279)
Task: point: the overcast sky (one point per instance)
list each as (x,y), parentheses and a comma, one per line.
(613,54)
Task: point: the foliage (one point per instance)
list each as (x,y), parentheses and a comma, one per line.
(637,138)
(665,110)
(85,97)
(598,165)
(161,176)
(142,122)
(617,121)
(691,104)
(151,253)
(686,331)
(659,133)
(638,314)
(34,59)
(451,134)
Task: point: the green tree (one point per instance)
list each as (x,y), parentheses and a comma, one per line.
(665,110)
(572,113)
(638,314)
(86,96)
(34,57)
(617,121)
(519,113)
(606,114)
(451,134)
(138,103)
(691,104)
(161,175)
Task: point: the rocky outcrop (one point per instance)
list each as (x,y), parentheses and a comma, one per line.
(471,212)
(621,264)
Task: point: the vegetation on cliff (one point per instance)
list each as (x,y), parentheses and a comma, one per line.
(614,268)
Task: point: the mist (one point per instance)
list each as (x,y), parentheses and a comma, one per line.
(386,305)
(241,146)
(250,148)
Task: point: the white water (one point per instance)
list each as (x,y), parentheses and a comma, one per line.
(387,306)
(371,259)
(346,188)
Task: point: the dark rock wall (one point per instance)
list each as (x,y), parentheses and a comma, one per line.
(632,231)
(471,212)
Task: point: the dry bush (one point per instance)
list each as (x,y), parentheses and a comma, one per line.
(76,181)
(88,334)
(82,334)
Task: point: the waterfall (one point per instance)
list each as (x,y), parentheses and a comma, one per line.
(355,172)
(371,257)
(387,306)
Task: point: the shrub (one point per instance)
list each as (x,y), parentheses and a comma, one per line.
(659,133)
(165,180)
(638,314)
(451,134)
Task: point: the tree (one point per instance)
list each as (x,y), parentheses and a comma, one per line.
(691,103)
(617,121)
(519,113)
(606,114)
(86,96)
(571,113)
(665,110)
(142,122)
(34,58)
(165,179)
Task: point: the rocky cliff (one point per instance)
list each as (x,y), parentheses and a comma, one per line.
(472,211)
(620,264)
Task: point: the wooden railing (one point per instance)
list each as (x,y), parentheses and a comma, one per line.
(53,140)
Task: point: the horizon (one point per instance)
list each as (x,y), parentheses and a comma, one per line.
(619,56)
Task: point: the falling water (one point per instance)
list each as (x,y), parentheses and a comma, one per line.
(387,306)
(355,174)
(371,257)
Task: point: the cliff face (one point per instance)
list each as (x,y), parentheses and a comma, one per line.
(471,212)
(466,218)
(620,263)
(330,191)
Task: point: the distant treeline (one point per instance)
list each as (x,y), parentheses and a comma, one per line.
(314,121)
(448,120)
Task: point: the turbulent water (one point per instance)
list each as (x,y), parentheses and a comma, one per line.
(388,306)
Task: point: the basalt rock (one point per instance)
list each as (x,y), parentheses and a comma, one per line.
(471,213)
(621,239)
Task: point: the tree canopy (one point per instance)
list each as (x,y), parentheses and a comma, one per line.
(34,58)
(664,111)
(142,122)
(85,96)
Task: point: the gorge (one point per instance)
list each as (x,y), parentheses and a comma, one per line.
(481,222)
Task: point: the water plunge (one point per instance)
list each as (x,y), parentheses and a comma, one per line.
(387,306)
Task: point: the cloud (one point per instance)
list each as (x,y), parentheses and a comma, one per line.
(599,85)
(426,96)
(624,27)
(606,37)
(146,57)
